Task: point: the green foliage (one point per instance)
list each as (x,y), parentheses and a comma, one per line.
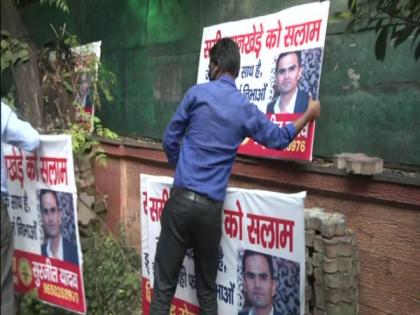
(394,21)
(63,70)
(111,277)
(13,51)
(60,4)
(84,143)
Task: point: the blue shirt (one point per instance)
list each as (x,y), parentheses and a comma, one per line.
(206,131)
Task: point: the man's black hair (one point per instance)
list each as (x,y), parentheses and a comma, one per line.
(225,54)
(298,54)
(248,253)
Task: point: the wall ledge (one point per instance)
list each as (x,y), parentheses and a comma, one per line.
(394,186)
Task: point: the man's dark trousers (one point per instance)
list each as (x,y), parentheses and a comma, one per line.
(187,223)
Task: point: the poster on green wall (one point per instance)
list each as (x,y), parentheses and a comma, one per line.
(281,59)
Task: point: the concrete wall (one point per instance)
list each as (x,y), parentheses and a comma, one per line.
(383,211)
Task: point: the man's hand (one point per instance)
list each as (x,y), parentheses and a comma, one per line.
(314,109)
(312,112)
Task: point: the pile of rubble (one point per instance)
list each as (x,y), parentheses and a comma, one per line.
(332,265)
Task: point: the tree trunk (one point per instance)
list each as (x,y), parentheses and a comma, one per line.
(27,75)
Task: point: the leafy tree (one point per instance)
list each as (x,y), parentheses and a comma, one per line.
(24,66)
(47,80)
(394,21)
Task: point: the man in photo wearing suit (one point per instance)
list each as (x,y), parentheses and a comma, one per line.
(288,98)
(259,285)
(55,246)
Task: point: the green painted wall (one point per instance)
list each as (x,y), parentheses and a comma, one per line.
(153,48)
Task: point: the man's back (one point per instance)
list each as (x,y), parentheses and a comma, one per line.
(216,118)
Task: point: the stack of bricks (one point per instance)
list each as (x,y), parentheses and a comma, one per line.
(332,265)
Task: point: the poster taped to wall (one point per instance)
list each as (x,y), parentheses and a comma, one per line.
(42,205)
(281,58)
(87,63)
(265,224)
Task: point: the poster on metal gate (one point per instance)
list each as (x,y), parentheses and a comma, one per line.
(42,205)
(281,58)
(261,256)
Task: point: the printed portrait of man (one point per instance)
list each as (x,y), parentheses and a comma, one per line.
(55,245)
(288,97)
(259,284)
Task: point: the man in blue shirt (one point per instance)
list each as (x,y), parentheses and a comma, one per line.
(201,142)
(19,133)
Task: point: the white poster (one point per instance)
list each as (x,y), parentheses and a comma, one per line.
(264,225)
(42,205)
(281,59)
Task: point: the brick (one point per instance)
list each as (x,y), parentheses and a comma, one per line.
(100,206)
(348,309)
(332,295)
(356,285)
(333,309)
(328,227)
(319,275)
(340,224)
(319,296)
(83,163)
(365,165)
(85,214)
(84,182)
(331,247)
(345,264)
(346,280)
(340,160)
(315,223)
(309,268)
(356,267)
(86,199)
(333,280)
(318,311)
(308,292)
(319,244)
(356,292)
(348,295)
(307,222)
(317,259)
(313,216)
(330,265)
(345,248)
(350,232)
(355,253)
(309,238)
